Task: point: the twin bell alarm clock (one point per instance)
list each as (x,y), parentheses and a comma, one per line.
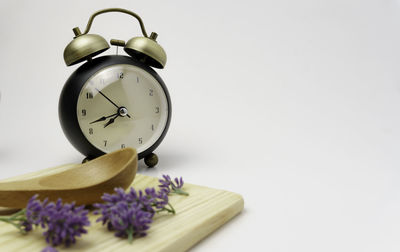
(115,101)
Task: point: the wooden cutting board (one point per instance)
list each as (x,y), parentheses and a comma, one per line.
(198,215)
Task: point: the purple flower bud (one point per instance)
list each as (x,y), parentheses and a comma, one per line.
(49,249)
(130,213)
(34,210)
(168,186)
(63,222)
(26,226)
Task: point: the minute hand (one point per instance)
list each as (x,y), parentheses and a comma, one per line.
(108,99)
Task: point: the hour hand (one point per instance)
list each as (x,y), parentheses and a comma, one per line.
(103,118)
(111,121)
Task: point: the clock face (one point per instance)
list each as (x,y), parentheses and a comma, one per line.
(122,106)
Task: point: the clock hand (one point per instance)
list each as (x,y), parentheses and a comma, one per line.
(111,121)
(113,103)
(107,98)
(103,118)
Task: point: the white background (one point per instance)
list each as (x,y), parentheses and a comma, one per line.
(293,104)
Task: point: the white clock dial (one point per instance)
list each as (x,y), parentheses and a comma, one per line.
(122,106)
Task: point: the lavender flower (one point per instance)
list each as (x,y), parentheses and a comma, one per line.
(26,226)
(34,211)
(130,214)
(168,186)
(49,249)
(63,222)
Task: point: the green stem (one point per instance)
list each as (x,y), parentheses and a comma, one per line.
(7,220)
(18,214)
(129,231)
(16,220)
(180,192)
(172,210)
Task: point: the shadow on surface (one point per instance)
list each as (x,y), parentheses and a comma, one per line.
(167,160)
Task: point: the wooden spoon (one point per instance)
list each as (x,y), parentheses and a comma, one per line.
(83,183)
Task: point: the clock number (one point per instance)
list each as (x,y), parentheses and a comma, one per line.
(157,110)
(83,112)
(122,146)
(140,140)
(105,143)
(90,131)
(121,75)
(89,95)
(137,79)
(152,127)
(151,92)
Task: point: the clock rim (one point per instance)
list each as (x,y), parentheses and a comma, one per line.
(69,100)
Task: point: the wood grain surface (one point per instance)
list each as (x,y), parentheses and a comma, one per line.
(198,215)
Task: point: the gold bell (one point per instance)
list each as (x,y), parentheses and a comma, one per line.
(147,50)
(83,47)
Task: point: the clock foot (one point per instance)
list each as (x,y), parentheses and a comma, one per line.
(86,159)
(151,160)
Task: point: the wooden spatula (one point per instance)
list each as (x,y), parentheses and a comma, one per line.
(82,183)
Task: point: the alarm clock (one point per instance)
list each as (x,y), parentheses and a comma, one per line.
(115,101)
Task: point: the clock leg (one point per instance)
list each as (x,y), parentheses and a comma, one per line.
(151,160)
(86,159)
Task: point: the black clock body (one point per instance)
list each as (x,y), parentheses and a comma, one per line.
(67,108)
